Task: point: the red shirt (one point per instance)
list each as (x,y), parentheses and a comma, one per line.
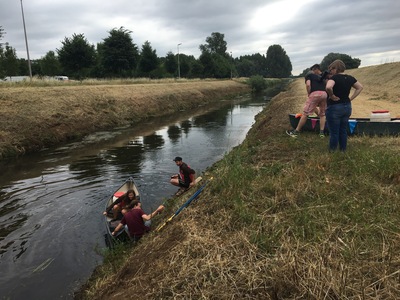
(133,219)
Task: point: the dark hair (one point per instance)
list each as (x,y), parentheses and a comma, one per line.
(129,192)
(126,198)
(315,66)
(324,75)
(134,203)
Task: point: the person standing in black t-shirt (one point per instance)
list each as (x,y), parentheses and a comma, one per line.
(339,104)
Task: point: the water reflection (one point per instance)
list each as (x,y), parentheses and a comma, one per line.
(174,133)
(51,202)
(212,119)
(186,125)
(153,142)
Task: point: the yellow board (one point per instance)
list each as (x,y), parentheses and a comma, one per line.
(197,180)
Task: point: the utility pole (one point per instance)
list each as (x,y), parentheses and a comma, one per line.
(179,66)
(26,42)
(231,65)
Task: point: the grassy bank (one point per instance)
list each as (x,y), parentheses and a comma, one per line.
(282,219)
(37,115)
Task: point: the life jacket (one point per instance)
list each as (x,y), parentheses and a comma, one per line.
(182,176)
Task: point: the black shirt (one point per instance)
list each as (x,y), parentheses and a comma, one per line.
(317,84)
(342,87)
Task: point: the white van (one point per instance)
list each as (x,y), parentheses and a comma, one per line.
(62,78)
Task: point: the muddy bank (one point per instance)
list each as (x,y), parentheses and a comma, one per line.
(32,118)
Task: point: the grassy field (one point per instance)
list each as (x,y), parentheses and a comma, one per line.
(282,219)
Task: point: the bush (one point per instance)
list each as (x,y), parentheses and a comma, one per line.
(257,83)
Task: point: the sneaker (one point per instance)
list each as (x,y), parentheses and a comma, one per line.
(292,133)
(321,135)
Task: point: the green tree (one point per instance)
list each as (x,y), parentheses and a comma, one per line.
(208,65)
(215,44)
(35,67)
(76,56)
(278,62)
(261,64)
(215,61)
(170,63)
(49,64)
(351,63)
(252,65)
(97,71)
(246,67)
(23,68)
(2,71)
(196,69)
(222,66)
(119,56)
(148,60)
(8,61)
(185,62)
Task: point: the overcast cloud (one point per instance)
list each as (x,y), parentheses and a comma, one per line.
(307,29)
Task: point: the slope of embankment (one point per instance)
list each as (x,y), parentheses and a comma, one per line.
(282,219)
(33,117)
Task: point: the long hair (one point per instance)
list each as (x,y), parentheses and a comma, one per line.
(127,201)
(338,65)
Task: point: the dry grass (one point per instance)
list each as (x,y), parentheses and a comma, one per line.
(33,117)
(282,219)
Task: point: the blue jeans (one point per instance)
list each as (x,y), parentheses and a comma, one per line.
(337,118)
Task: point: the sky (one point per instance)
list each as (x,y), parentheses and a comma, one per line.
(306,29)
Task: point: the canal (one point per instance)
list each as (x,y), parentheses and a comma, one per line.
(51,202)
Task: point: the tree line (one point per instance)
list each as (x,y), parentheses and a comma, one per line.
(117,56)
(351,63)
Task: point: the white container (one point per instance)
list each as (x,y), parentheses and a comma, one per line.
(380,116)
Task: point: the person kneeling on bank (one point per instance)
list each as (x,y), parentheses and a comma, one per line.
(186,176)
